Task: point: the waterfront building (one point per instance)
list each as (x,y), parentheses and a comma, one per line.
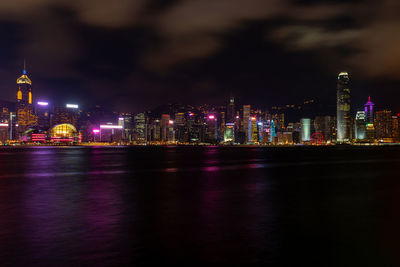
(246,122)
(230,111)
(68,114)
(140,128)
(384,130)
(343,108)
(360,126)
(111,133)
(26,119)
(369,111)
(63,133)
(229,134)
(305,130)
(43,113)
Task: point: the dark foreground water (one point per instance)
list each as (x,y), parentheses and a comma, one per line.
(200,206)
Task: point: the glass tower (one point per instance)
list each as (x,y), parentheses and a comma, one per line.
(343,108)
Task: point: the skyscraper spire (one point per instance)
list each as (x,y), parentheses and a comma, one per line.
(24,70)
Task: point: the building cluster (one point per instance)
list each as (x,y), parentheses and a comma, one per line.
(27,121)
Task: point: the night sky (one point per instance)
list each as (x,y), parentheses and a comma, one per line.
(136,55)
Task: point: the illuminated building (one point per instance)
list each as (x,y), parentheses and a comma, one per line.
(395,129)
(68,114)
(253,130)
(212,129)
(43,113)
(26,119)
(229,134)
(3,132)
(369,111)
(343,108)
(370,132)
(63,133)
(230,110)
(360,126)
(164,124)
(305,130)
(246,122)
(140,127)
(384,126)
(326,126)
(111,133)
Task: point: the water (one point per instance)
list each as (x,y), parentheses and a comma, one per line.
(332,206)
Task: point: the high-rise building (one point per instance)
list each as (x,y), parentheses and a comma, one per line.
(360,126)
(246,122)
(43,113)
(140,127)
(26,119)
(68,114)
(383,125)
(230,110)
(343,108)
(305,130)
(369,111)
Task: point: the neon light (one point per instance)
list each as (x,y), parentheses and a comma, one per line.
(3,124)
(120,119)
(253,118)
(72,106)
(111,127)
(211,117)
(41,103)
(95,130)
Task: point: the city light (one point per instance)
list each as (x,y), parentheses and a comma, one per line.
(211,117)
(72,106)
(253,118)
(41,103)
(95,131)
(3,124)
(171,122)
(120,119)
(111,126)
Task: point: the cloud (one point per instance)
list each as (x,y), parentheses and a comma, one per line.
(102,13)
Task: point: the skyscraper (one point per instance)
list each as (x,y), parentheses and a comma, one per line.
(230,111)
(246,122)
(369,111)
(360,126)
(343,108)
(26,119)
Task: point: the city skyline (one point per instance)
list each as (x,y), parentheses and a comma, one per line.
(141,55)
(355,106)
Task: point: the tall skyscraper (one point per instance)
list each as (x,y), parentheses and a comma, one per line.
(360,126)
(26,118)
(305,129)
(369,111)
(230,111)
(343,108)
(246,122)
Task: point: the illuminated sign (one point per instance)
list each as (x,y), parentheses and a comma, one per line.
(211,117)
(95,130)
(121,119)
(41,103)
(72,106)
(111,127)
(3,124)
(38,137)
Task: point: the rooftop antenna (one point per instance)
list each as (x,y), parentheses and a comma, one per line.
(24,70)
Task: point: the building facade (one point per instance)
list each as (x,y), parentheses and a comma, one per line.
(343,108)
